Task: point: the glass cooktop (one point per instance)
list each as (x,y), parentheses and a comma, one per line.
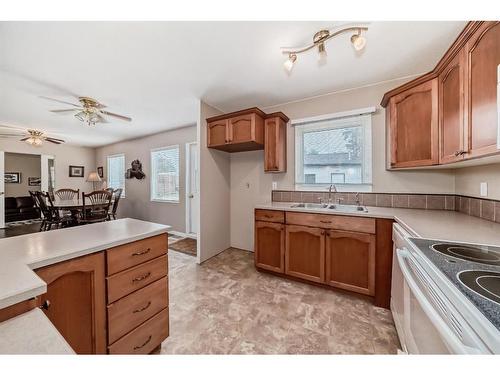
(469,253)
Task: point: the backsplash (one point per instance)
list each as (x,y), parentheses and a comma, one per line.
(487,209)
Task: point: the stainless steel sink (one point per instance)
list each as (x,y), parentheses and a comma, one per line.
(309,205)
(332,207)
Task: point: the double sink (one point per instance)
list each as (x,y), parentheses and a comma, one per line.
(331,207)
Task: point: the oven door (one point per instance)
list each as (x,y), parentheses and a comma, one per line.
(431,324)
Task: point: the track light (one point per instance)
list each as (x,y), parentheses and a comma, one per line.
(288,65)
(358,41)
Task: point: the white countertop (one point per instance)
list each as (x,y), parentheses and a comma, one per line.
(434,224)
(20,255)
(32,333)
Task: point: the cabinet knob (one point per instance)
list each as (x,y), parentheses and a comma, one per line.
(45,305)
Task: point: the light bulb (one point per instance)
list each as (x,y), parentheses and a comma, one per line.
(322,57)
(288,64)
(358,41)
(30,140)
(37,142)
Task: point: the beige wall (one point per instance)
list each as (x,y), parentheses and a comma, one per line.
(215,187)
(65,155)
(248,167)
(28,165)
(467,180)
(137,203)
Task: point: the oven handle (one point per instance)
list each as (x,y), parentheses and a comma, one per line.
(445,332)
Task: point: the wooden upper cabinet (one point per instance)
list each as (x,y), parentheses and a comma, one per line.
(452,144)
(275,144)
(305,253)
(413,126)
(218,133)
(77,295)
(483,58)
(270,246)
(350,261)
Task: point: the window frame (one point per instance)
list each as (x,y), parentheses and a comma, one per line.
(151,183)
(124,171)
(333,121)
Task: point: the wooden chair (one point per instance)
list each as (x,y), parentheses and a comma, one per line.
(50,214)
(117,195)
(67,194)
(95,206)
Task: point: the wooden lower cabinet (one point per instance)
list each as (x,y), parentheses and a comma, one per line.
(350,261)
(305,253)
(77,293)
(270,246)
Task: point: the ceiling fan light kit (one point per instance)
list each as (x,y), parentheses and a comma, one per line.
(32,137)
(358,42)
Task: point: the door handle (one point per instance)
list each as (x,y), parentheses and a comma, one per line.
(191,195)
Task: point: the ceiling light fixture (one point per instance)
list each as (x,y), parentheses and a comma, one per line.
(358,41)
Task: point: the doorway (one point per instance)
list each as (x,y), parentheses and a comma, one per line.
(192,189)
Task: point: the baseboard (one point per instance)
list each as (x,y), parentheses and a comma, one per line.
(182,234)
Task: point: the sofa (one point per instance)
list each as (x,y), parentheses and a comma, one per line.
(20,208)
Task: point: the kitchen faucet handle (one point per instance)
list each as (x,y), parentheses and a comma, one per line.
(339,200)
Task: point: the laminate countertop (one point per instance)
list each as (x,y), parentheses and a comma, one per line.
(20,255)
(434,224)
(32,333)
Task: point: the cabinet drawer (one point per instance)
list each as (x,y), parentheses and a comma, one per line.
(125,256)
(128,281)
(134,309)
(270,215)
(350,223)
(144,338)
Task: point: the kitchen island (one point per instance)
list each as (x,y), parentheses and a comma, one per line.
(103,286)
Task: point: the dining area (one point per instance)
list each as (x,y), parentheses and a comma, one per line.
(68,207)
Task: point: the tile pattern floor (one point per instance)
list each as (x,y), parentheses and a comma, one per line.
(225,306)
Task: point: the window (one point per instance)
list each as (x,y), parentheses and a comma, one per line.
(165,174)
(116,172)
(334,151)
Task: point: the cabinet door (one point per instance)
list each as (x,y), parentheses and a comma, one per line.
(451,120)
(414,126)
(76,291)
(350,261)
(218,133)
(270,246)
(483,58)
(242,128)
(305,253)
(274,145)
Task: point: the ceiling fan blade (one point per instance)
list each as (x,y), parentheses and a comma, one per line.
(65,110)
(121,117)
(23,139)
(50,139)
(59,101)
(10,135)
(57,142)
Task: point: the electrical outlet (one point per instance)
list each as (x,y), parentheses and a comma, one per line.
(483,187)
(275,185)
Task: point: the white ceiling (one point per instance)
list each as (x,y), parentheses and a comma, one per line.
(156,72)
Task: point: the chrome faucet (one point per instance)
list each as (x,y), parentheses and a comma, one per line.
(334,188)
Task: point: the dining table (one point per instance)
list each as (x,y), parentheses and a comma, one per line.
(75,206)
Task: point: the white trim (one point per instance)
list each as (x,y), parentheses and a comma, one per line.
(188,184)
(182,234)
(334,116)
(151,198)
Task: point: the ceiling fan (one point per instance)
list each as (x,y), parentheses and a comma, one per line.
(89,110)
(32,137)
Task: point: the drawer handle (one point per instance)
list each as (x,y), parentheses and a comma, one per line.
(325,222)
(142,252)
(145,343)
(142,308)
(140,278)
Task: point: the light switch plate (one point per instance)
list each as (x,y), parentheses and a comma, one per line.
(275,185)
(484,189)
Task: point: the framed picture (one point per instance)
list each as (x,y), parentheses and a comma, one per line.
(12,177)
(76,171)
(34,181)
(100,172)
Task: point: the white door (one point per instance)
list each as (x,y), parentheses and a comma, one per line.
(192,188)
(2,190)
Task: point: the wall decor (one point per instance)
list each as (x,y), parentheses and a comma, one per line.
(76,171)
(135,171)
(100,172)
(12,177)
(34,181)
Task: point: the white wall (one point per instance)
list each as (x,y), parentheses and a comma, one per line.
(248,167)
(29,166)
(65,155)
(215,199)
(137,203)
(467,180)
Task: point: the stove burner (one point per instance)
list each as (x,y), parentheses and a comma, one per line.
(472,254)
(484,283)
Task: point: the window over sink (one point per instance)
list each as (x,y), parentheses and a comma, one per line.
(334,151)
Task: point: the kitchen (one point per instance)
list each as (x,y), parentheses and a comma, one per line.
(361,217)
